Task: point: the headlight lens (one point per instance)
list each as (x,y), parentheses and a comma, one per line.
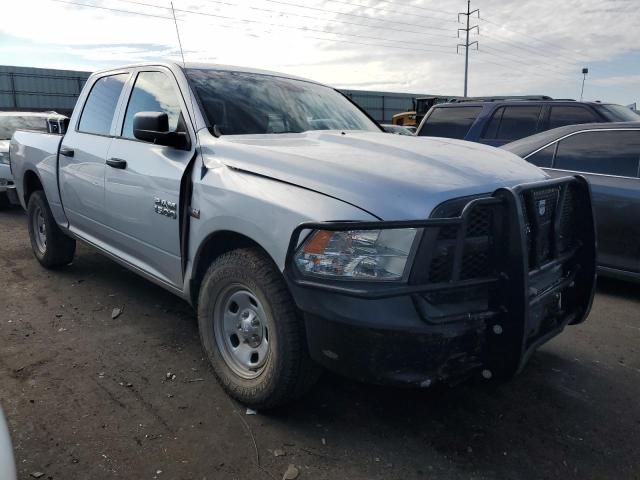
(4,158)
(356,254)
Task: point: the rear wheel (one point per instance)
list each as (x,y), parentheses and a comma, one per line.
(50,245)
(251,331)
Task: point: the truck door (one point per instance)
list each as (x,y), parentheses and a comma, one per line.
(82,157)
(142,180)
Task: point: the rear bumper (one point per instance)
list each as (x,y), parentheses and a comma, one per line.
(539,277)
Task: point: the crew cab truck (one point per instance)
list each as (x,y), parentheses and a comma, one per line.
(303,235)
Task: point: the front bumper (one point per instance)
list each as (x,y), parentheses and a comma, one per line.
(488,286)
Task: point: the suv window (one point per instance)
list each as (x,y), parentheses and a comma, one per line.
(568,115)
(452,122)
(100,106)
(153,92)
(608,152)
(513,122)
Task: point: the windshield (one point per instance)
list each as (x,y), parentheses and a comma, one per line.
(11,123)
(618,113)
(240,103)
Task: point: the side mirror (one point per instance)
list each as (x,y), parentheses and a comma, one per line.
(154,127)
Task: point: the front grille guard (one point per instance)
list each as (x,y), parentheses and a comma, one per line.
(539,271)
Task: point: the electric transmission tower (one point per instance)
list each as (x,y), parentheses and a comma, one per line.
(466,44)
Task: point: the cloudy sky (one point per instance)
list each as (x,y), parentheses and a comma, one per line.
(525,46)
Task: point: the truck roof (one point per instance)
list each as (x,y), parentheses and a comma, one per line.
(208,66)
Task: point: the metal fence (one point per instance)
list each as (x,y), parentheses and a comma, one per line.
(40,89)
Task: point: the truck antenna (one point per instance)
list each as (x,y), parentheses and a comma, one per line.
(175,21)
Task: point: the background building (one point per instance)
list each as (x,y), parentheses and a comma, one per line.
(42,89)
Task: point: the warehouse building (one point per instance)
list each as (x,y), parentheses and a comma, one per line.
(40,89)
(43,89)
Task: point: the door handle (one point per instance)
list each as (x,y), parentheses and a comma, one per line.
(67,152)
(117,163)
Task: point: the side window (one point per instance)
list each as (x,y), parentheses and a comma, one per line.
(607,152)
(544,157)
(513,122)
(567,115)
(452,122)
(152,92)
(101,104)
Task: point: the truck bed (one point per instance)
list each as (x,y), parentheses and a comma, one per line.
(36,153)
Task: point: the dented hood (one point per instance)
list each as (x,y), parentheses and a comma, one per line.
(394,177)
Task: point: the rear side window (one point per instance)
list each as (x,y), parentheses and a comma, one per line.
(453,122)
(153,92)
(513,122)
(544,157)
(100,106)
(567,115)
(607,152)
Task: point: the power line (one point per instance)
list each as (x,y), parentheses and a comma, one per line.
(262,22)
(512,57)
(359,5)
(327,20)
(561,47)
(349,14)
(132,12)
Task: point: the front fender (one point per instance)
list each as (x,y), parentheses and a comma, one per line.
(260,208)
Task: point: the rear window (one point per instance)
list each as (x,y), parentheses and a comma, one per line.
(544,157)
(452,122)
(562,115)
(513,122)
(618,113)
(100,106)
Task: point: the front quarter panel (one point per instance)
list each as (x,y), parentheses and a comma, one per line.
(263,209)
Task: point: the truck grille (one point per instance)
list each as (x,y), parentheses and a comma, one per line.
(475,258)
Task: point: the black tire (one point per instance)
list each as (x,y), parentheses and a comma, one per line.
(58,249)
(288,372)
(4,201)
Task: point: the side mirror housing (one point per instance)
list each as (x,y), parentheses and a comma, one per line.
(154,127)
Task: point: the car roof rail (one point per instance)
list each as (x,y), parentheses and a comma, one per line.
(503,98)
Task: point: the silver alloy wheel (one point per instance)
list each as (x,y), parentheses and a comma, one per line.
(39,230)
(241,330)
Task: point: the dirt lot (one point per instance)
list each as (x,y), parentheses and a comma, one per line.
(87,396)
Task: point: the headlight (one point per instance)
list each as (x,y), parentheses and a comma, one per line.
(4,158)
(356,254)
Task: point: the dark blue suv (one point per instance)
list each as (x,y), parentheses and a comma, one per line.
(497,121)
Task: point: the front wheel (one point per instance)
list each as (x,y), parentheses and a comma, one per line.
(251,331)
(50,245)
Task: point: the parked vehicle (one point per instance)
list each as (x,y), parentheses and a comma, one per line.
(7,462)
(498,120)
(608,155)
(396,129)
(303,235)
(9,123)
(421,106)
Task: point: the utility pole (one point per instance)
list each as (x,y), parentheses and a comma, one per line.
(466,44)
(584,77)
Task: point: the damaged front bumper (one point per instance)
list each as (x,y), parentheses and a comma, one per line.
(493,278)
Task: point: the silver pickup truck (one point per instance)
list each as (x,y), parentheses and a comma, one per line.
(303,235)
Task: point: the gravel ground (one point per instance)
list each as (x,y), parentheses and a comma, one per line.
(87,395)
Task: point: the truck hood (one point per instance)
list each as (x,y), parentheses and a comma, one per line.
(394,177)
